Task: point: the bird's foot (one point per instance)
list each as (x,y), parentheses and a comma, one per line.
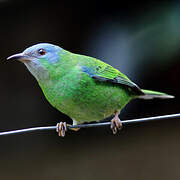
(74,124)
(116,123)
(61,128)
(75,129)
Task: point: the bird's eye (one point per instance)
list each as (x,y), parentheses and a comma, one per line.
(41,52)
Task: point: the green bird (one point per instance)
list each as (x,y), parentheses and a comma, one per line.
(82,87)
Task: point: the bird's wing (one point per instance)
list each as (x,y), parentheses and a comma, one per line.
(106,73)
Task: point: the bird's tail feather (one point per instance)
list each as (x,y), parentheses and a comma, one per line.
(148,94)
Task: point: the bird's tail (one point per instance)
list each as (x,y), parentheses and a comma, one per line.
(148,94)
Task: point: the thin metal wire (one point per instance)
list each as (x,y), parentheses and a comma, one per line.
(171,116)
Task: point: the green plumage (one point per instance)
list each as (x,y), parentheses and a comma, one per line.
(84,88)
(75,93)
(75,89)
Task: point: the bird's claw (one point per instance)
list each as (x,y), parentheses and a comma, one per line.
(61,128)
(116,124)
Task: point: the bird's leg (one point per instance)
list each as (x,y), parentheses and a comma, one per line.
(116,123)
(75,123)
(61,128)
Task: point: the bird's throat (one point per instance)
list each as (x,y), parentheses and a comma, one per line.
(37,70)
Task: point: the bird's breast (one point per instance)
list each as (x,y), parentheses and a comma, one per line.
(84,99)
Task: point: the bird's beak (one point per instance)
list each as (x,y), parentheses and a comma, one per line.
(20,57)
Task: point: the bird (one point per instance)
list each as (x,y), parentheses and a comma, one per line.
(82,87)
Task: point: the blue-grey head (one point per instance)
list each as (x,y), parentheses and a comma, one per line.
(38,57)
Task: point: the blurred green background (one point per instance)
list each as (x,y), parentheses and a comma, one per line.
(141,39)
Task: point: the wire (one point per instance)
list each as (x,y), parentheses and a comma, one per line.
(164,117)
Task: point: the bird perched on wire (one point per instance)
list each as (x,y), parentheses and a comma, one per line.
(82,87)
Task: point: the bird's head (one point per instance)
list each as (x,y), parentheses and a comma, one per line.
(39,58)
